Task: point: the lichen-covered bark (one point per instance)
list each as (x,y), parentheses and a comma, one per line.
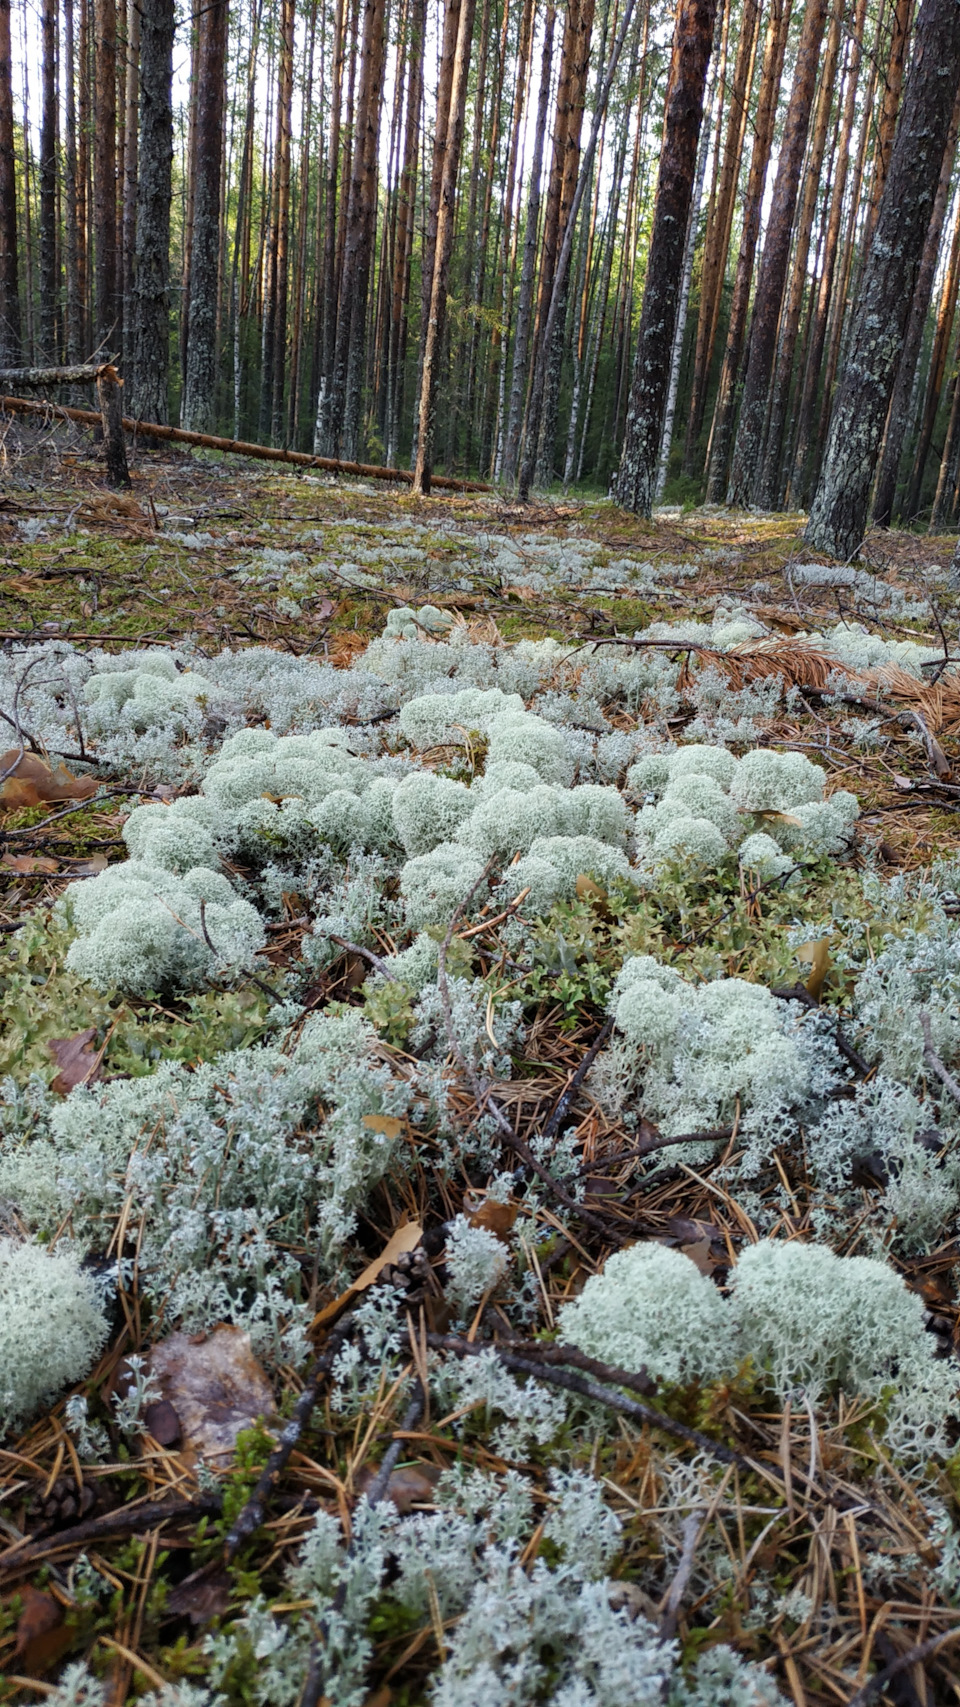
(693,36)
(151,330)
(199,395)
(748,448)
(839,512)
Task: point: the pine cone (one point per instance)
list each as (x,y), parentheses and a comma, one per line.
(411,1273)
(65,1504)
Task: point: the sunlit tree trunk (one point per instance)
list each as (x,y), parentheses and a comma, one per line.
(839,512)
(198,411)
(719,226)
(898,419)
(771,281)
(693,35)
(721,434)
(106,311)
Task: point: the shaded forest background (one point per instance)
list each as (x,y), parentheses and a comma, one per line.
(275,214)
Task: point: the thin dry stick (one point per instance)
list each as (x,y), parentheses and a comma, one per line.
(913,1656)
(313,1688)
(127,1520)
(934,1062)
(678,1588)
(564,1101)
(253,1512)
(365,954)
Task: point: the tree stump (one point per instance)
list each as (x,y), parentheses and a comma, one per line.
(109,386)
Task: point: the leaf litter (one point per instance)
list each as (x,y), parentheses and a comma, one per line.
(786,1530)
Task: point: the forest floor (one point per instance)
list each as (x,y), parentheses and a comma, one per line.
(129,1560)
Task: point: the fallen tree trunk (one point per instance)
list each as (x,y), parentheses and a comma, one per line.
(36,378)
(110,418)
(235,447)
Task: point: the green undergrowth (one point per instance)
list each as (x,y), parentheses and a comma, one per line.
(43,1001)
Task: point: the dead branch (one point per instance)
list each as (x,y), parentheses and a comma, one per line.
(237,447)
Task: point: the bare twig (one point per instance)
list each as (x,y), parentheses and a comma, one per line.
(934,1062)
(365,954)
(252,1515)
(563,1102)
(800,993)
(678,1588)
(914,1656)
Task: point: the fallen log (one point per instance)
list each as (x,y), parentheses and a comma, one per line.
(237,447)
(37,378)
(110,418)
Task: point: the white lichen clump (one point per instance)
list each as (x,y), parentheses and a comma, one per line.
(52,1326)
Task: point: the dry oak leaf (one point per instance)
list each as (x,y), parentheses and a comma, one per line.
(216,1387)
(31,782)
(482,1211)
(78,1061)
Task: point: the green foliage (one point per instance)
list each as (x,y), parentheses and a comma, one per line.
(42,999)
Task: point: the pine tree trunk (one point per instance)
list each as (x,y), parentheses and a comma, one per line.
(799,483)
(676,354)
(327,315)
(721,433)
(275,305)
(767,491)
(521,342)
(748,447)
(935,373)
(350,350)
(403,254)
(448,50)
(717,239)
(443,246)
(898,419)
(130,171)
(198,411)
(106,309)
(839,512)
(10,346)
(300,265)
(683,114)
(945,501)
(73,340)
(572,93)
(151,340)
(84,177)
(889,108)
(49,282)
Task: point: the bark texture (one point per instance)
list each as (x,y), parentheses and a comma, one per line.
(9,272)
(693,36)
(151,337)
(106,307)
(748,448)
(839,512)
(199,398)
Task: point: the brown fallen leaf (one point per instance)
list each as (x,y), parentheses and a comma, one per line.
(31,781)
(817,956)
(411,1486)
(202,1596)
(28,864)
(406,1238)
(86,867)
(587,890)
(699,1254)
(481,1211)
(42,1635)
(78,1061)
(388,1124)
(216,1387)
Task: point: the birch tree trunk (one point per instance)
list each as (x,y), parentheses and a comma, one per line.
(839,512)
(692,39)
